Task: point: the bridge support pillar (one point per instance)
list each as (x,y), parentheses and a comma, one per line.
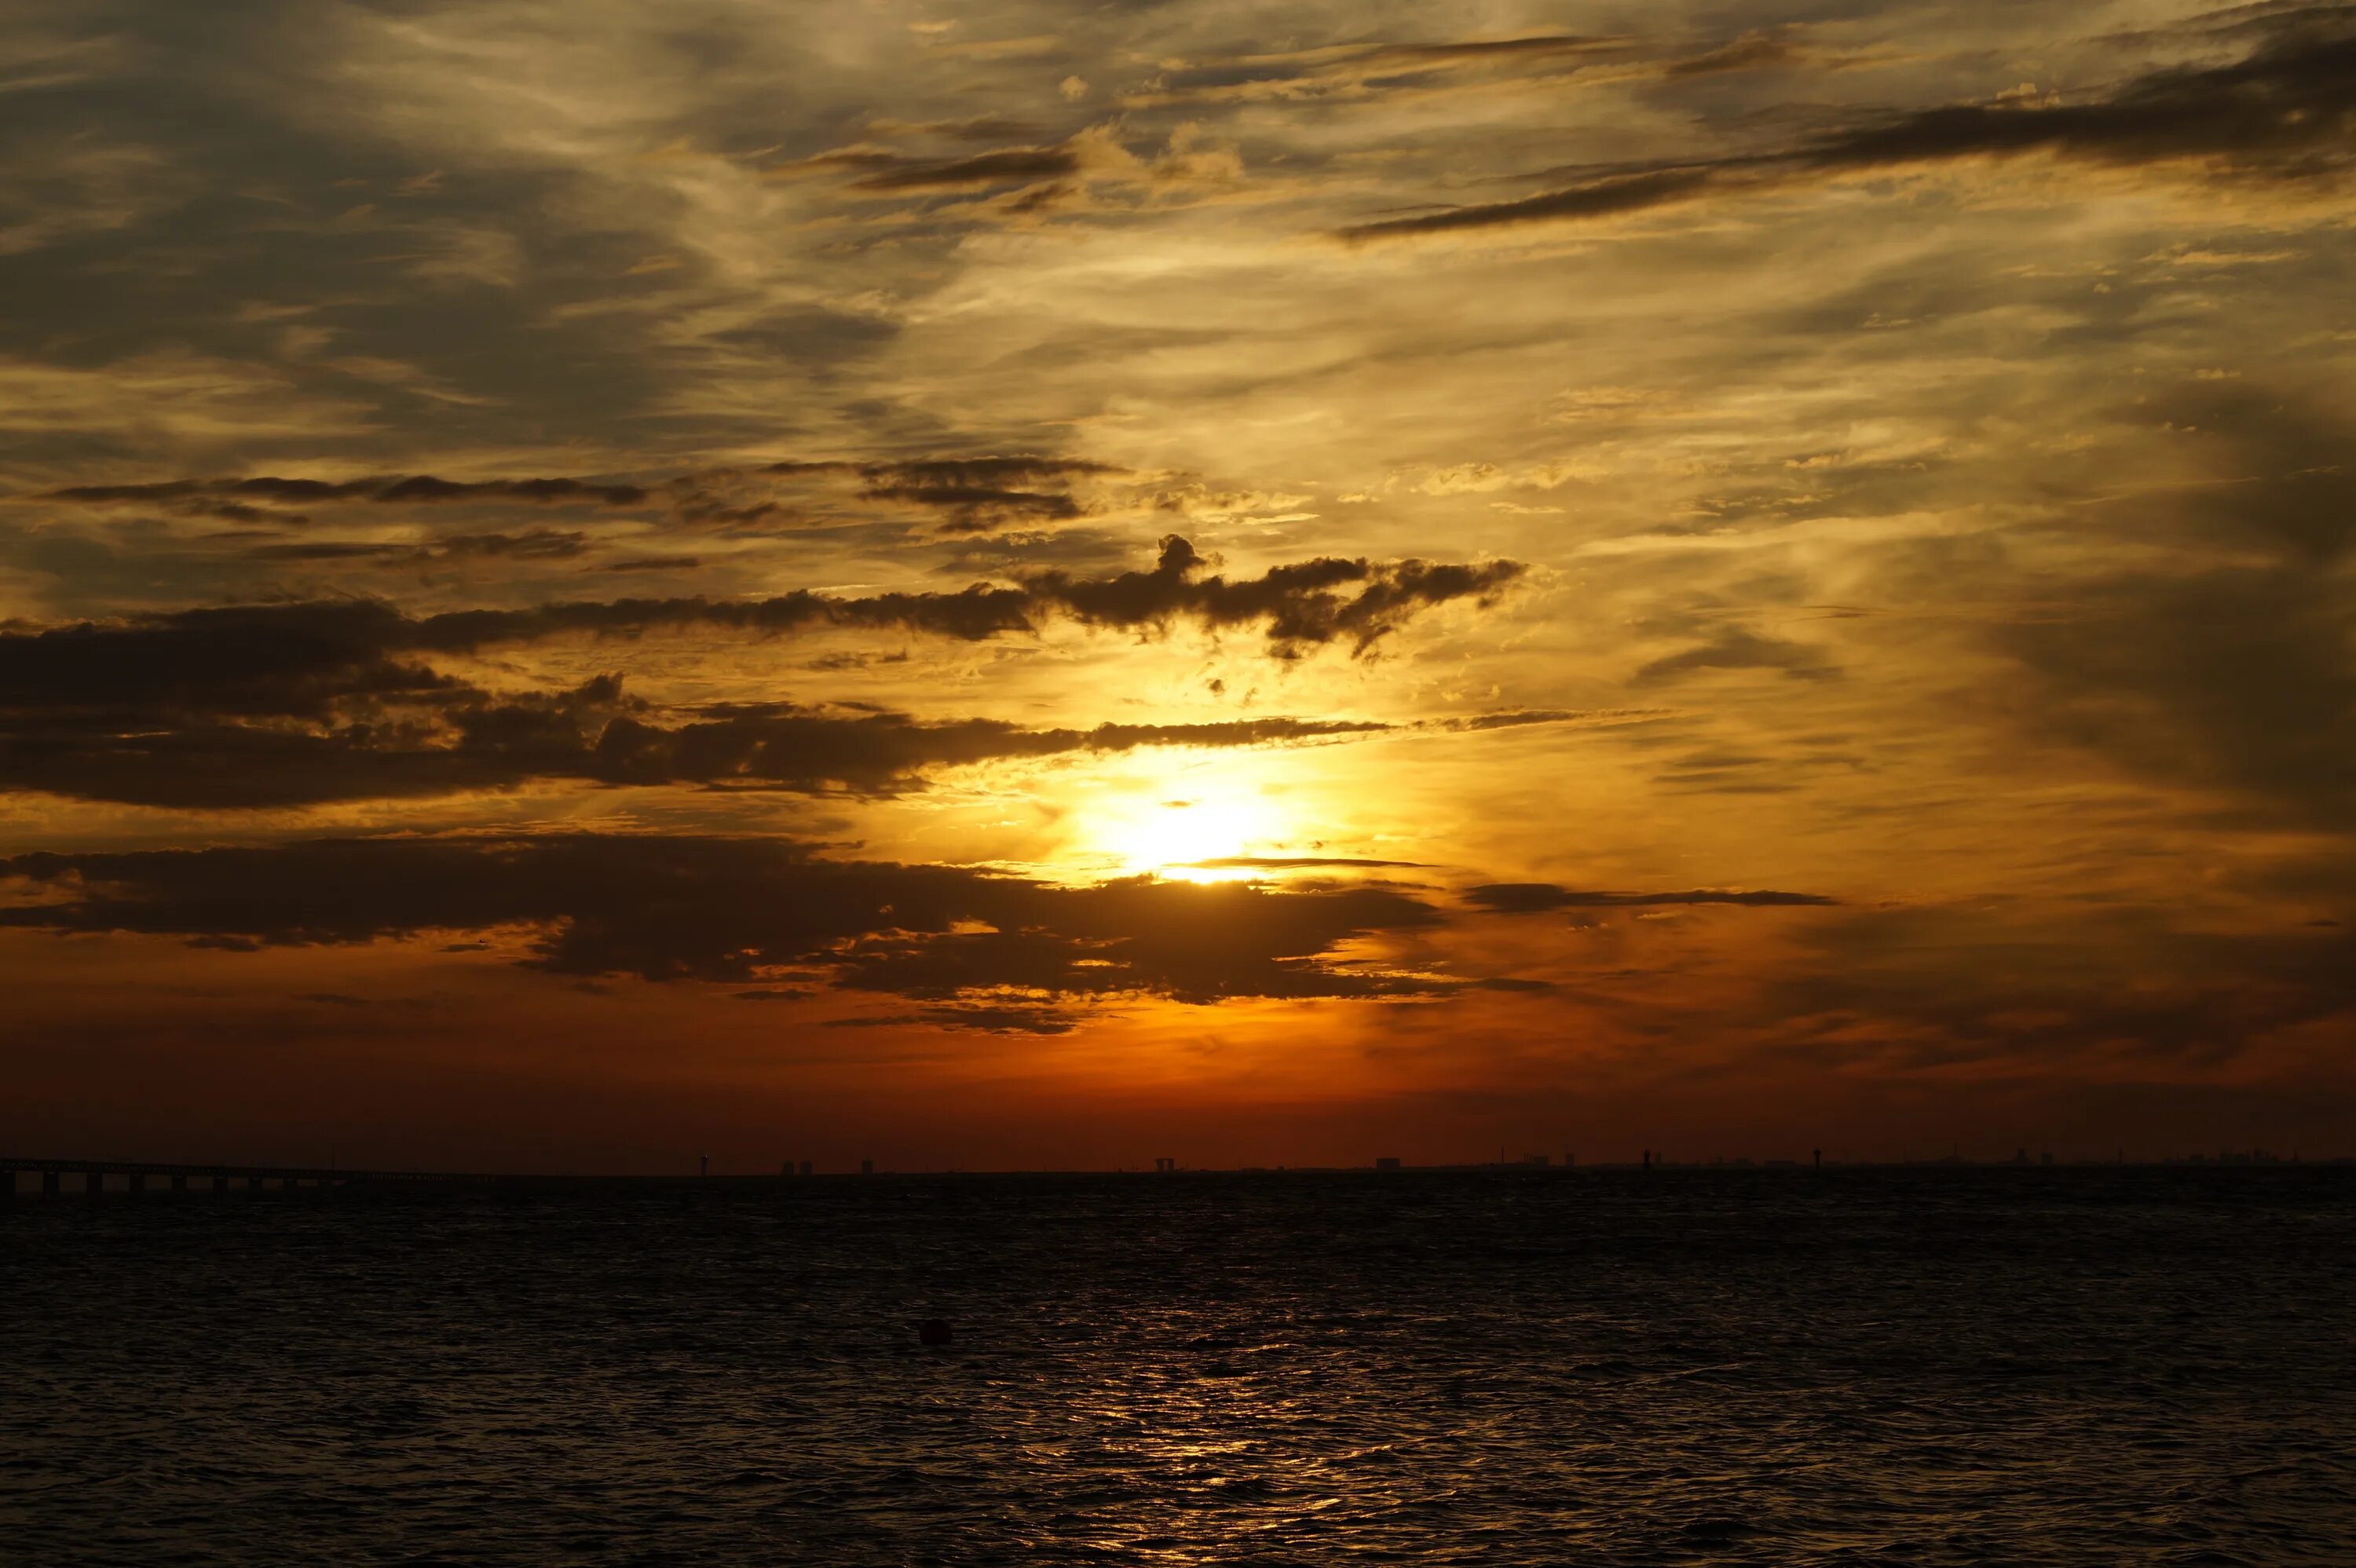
(220,1186)
(138,1182)
(7,1186)
(48,1184)
(94,1183)
(179,1184)
(253,1184)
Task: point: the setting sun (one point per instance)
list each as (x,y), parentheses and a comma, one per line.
(1184,834)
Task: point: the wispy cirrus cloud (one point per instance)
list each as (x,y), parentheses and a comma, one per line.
(2279,113)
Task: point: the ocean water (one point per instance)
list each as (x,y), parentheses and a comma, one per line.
(1913,1366)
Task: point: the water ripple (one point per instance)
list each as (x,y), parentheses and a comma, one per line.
(1883,1368)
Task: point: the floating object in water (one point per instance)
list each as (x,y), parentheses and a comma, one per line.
(933,1331)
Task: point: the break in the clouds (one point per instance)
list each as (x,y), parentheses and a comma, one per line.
(1337,565)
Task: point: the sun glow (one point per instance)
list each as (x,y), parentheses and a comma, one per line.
(1185,835)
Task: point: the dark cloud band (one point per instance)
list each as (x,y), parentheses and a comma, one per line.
(384,490)
(474,743)
(294,658)
(296,704)
(1538,898)
(739,911)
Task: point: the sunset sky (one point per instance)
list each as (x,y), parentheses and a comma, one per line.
(1023,585)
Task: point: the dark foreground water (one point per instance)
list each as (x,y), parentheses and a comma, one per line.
(1869,1367)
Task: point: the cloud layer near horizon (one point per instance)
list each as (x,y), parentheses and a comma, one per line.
(738,910)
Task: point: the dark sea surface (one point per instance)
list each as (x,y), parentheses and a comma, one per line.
(1889,1366)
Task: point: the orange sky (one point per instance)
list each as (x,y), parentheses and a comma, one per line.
(1039,585)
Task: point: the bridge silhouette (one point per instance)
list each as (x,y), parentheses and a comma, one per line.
(89,1178)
